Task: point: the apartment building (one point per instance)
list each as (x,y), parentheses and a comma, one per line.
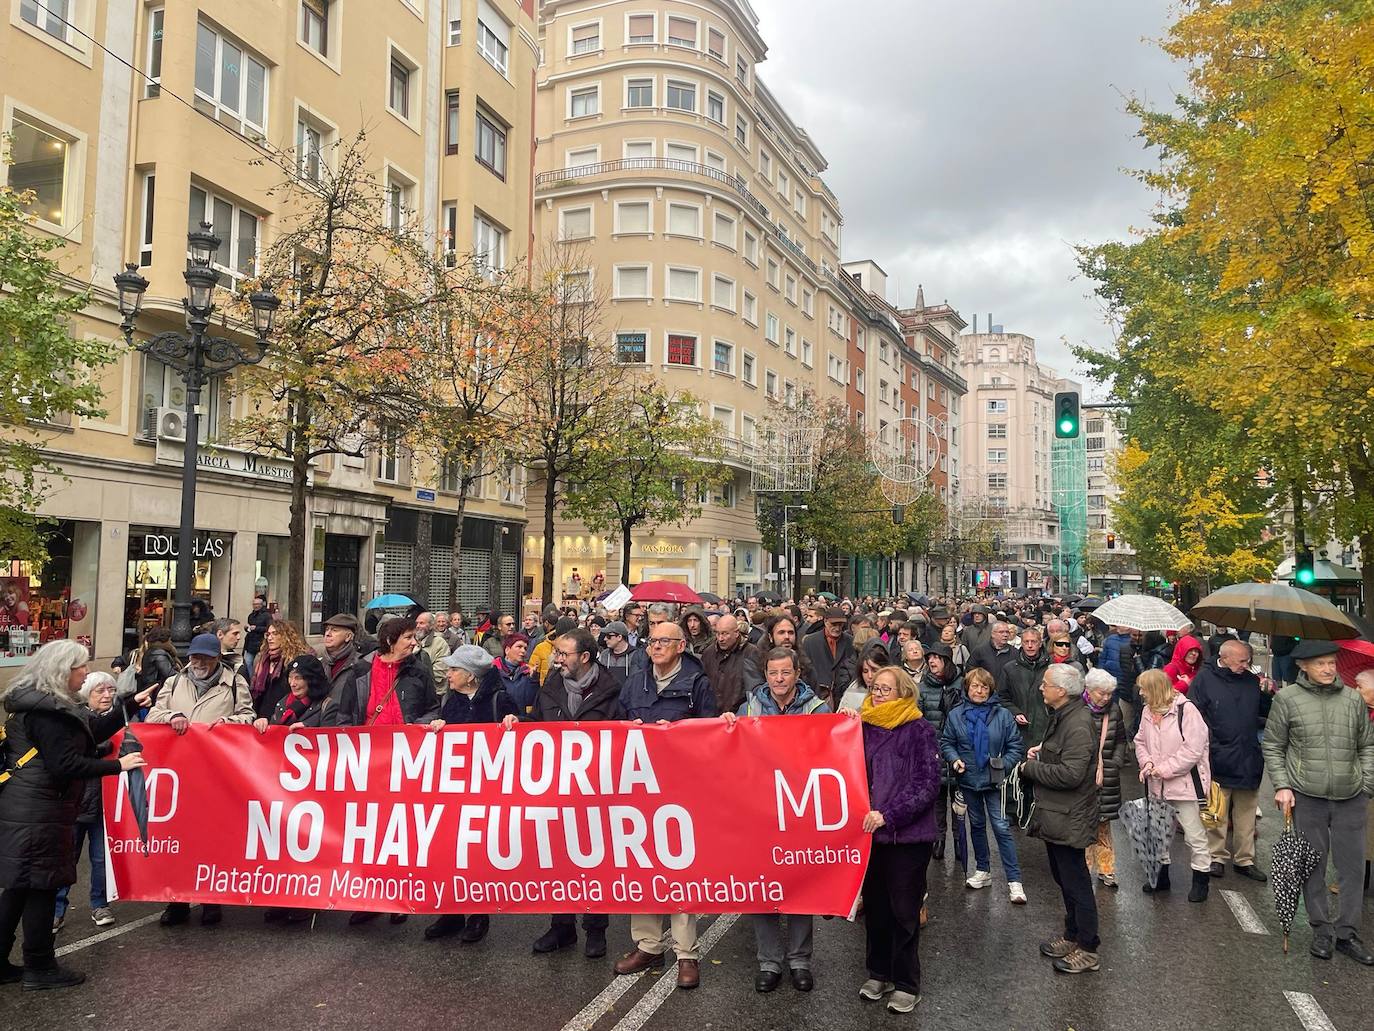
(1007,428)
(1112,565)
(133,121)
(697,206)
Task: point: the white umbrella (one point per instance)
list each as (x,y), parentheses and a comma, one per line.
(1141,612)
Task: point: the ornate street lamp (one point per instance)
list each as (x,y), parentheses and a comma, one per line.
(199,357)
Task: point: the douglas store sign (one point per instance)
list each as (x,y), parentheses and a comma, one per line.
(164,544)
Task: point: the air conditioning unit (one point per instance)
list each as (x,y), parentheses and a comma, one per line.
(171,423)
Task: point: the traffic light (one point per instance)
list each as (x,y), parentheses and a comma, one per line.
(1111,542)
(1066,414)
(1305,571)
(898,514)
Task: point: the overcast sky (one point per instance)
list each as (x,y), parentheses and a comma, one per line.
(972,143)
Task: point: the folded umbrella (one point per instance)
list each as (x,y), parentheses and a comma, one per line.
(1141,612)
(1294,859)
(1149,823)
(136,785)
(959,807)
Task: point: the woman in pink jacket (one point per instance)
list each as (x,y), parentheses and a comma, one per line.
(1172,750)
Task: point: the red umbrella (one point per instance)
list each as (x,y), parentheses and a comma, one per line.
(665,590)
(1353,659)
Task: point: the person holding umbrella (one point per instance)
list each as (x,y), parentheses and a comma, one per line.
(1319,753)
(980,741)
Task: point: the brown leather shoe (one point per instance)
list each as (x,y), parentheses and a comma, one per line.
(688,973)
(637,961)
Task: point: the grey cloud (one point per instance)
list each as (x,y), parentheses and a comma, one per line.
(972,144)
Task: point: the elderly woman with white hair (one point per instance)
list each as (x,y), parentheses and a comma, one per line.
(50,751)
(1099,693)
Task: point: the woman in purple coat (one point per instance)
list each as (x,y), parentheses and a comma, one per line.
(902,758)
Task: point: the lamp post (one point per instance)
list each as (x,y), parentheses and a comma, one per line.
(198,357)
(786,551)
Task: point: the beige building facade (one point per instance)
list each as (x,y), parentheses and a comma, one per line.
(166,124)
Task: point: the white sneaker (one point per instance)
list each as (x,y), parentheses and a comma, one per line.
(102,916)
(1016,893)
(980,879)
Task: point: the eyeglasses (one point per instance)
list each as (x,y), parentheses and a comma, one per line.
(882,689)
(655,642)
(566,655)
(1059,644)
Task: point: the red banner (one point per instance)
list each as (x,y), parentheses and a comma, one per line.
(545,818)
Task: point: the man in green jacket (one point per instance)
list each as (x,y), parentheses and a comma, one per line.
(1319,751)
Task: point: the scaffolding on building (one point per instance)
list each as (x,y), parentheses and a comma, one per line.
(1069,480)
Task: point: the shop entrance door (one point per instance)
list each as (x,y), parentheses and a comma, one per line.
(342,557)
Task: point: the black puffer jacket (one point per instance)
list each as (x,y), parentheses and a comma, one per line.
(1113,758)
(156,666)
(937,698)
(414,691)
(40,803)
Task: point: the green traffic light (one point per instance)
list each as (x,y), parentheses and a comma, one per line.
(1065,425)
(1306,577)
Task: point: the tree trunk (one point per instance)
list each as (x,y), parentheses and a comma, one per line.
(553,593)
(1367,571)
(626,526)
(455,568)
(297,600)
(794,575)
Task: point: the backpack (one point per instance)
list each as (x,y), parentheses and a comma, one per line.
(19,763)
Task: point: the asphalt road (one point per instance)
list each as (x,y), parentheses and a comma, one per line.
(1166,964)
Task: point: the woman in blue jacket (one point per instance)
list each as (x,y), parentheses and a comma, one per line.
(981,743)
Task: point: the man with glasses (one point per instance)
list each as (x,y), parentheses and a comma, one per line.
(997,653)
(672,687)
(731,664)
(577,688)
(1019,688)
(830,655)
(616,654)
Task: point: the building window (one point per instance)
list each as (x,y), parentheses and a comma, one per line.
(488,243)
(997,455)
(790,288)
(748,368)
(808,303)
(633,217)
(451,115)
(576,288)
(859,380)
(641,29)
(1096,443)
(586,39)
(789,341)
(715,44)
(632,281)
(41,161)
(773,273)
(153,70)
(742,69)
(450,220)
(490,144)
(400,201)
(807,355)
(723,357)
(575,223)
(682,32)
(493,36)
(784,185)
(455,22)
(639,92)
(723,292)
(230,83)
(723,230)
(684,220)
(751,248)
(398,89)
(715,107)
(684,284)
(682,96)
(50,16)
(631,348)
(145,245)
(236,228)
(770,383)
(997,406)
(584,102)
(389,455)
(749,310)
(997,431)
(582,157)
(315,25)
(682,349)
(309,150)
(741,131)
(997,481)
(770,328)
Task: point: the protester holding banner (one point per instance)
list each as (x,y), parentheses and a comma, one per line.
(307,701)
(394,687)
(672,687)
(475,695)
(782,694)
(903,764)
(578,688)
(49,753)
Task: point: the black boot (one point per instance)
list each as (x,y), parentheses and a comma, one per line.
(1161,882)
(175,914)
(1202,882)
(938,852)
(476,929)
(556,938)
(51,977)
(446,927)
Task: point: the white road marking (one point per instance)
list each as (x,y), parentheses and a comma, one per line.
(667,984)
(1313,1017)
(1244,913)
(113,932)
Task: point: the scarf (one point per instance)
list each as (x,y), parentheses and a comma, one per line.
(890,715)
(1096,710)
(345,656)
(663,681)
(267,668)
(577,688)
(976,717)
(292,710)
(203,684)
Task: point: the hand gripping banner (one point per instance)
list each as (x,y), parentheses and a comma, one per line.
(544,818)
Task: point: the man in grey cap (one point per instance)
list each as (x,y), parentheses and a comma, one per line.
(1319,751)
(616,653)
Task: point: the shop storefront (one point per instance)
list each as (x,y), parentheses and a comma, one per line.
(53,600)
(415,558)
(153,561)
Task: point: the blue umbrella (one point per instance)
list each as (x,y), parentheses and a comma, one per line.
(390,601)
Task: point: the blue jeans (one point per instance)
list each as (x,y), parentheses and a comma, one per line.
(93,836)
(985,807)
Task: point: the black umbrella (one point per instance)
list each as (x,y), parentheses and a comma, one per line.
(1088,604)
(137,784)
(960,807)
(1294,859)
(769,598)
(707,596)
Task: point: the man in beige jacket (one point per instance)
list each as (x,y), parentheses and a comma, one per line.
(206,691)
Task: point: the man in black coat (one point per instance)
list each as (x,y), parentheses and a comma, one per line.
(1234,707)
(732,664)
(831,656)
(577,688)
(994,655)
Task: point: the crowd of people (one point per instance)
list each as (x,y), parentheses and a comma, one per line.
(1024,716)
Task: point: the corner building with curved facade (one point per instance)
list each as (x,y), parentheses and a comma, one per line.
(696,205)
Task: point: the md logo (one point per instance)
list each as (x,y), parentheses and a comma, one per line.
(823,794)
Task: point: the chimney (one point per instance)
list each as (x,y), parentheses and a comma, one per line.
(989,322)
(975,323)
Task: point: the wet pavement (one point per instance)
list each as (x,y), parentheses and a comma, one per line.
(1167,963)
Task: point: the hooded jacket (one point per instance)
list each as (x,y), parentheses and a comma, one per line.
(1118,659)
(1178,670)
(762,703)
(687,696)
(518,681)
(1319,741)
(40,803)
(1176,745)
(1234,708)
(937,696)
(697,645)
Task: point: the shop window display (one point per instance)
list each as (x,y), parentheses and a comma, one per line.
(52,600)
